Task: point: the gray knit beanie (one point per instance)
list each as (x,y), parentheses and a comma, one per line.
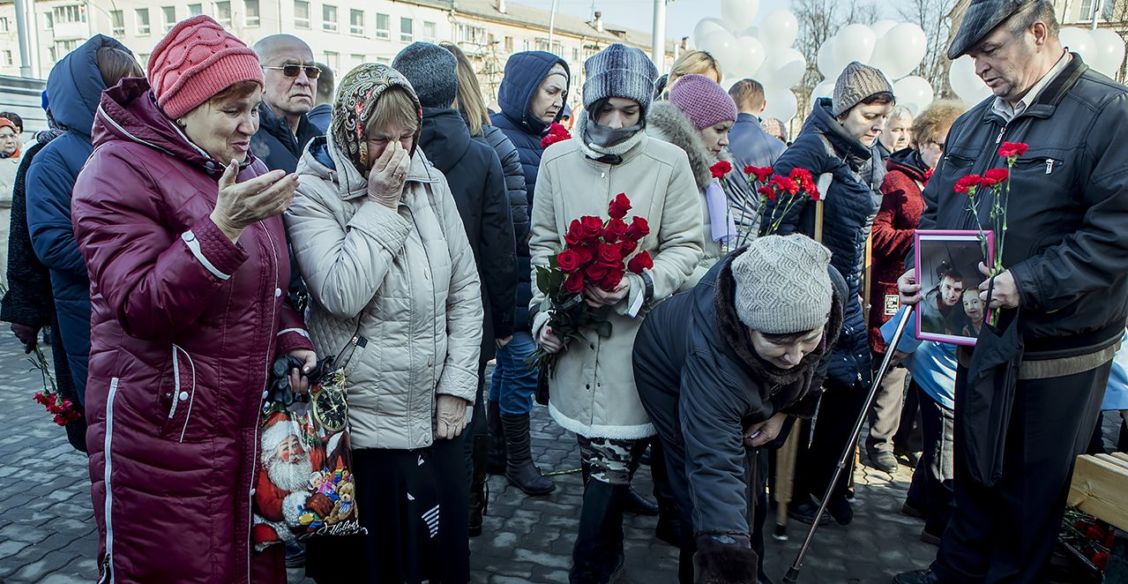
(856,83)
(432,72)
(782,285)
(619,71)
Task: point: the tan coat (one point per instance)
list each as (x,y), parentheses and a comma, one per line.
(403,281)
(592,392)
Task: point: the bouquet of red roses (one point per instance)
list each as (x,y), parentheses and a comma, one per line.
(598,254)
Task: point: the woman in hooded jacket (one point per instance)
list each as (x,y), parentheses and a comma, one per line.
(395,296)
(611,154)
(182,234)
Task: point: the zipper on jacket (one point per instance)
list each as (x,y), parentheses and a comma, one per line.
(108,466)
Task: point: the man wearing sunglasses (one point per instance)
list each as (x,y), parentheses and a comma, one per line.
(287,97)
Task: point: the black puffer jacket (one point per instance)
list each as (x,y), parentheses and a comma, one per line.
(851,204)
(29,300)
(276,145)
(514,181)
(476,180)
(694,363)
(1067,242)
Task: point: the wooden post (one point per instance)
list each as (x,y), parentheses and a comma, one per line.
(819,221)
(785,477)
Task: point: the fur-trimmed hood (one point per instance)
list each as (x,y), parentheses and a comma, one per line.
(669,124)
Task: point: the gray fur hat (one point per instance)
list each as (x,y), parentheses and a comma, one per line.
(432,72)
(856,83)
(782,285)
(619,71)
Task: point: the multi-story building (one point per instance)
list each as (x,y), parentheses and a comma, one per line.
(343,33)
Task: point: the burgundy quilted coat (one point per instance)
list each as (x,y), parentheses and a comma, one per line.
(185,325)
(893,229)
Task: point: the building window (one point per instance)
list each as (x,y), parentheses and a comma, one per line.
(356,22)
(384,60)
(575,54)
(3,24)
(51,54)
(117,23)
(383,26)
(333,60)
(195,9)
(430,30)
(223,13)
(142,15)
(470,34)
(357,60)
(64,47)
(70,14)
(329,20)
(406,26)
(144,59)
(508,44)
(301,14)
(168,17)
(48,22)
(1086,12)
(7,53)
(524,44)
(251,13)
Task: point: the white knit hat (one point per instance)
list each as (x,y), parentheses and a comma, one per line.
(782,285)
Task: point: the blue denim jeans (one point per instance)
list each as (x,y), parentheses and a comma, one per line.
(514,383)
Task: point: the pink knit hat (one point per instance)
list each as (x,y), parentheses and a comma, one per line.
(196,60)
(703,101)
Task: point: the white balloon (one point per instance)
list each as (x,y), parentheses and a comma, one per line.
(914,93)
(750,56)
(824,89)
(779,29)
(787,67)
(967,85)
(827,59)
(1108,51)
(881,27)
(704,28)
(781,104)
(1078,41)
(855,43)
(722,46)
(739,14)
(902,49)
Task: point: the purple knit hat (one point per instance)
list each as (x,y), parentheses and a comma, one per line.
(703,101)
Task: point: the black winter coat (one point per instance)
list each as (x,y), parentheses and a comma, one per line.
(29,300)
(1067,242)
(276,145)
(476,180)
(851,204)
(514,181)
(696,371)
(524,73)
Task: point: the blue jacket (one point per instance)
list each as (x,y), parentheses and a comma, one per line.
(320,116)
(524,73)
(75,86)
(750,144)
(851,204)
(276,145)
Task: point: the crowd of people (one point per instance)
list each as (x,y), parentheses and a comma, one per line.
(182,225)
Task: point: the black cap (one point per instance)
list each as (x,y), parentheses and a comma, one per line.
(981,18)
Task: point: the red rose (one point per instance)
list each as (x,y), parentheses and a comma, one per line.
(640,262)
(575,283)
(575,234)
(721,168)
(762,173)
(639,229)
(609,254)
(590,228)
(968,184)
(596,272)
(1013,149)
(615,231)
(613,278)
(568,261)
(785,185)
(994,176)
(767,192)
(556,133)
(627,247)
(585,254)
(619,206)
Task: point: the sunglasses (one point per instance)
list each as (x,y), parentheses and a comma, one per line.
(311,71)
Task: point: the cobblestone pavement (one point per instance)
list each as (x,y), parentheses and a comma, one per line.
(47,530)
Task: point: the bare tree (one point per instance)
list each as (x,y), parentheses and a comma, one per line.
(933,17)
(818,21)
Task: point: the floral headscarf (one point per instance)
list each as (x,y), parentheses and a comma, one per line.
(356,100)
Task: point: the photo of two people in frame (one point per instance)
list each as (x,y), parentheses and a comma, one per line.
(948,271)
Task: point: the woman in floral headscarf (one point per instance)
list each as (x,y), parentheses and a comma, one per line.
(396,298)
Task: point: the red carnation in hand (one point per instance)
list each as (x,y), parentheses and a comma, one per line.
(1013,149)
(762,173)
(968,184)
(609,254)
(639,228)
(574,284)
(615,231)
(619,206)
(767,192)
(994,176)
(556,133)
(568,261)
(721,168)
(640,262)
(785,185)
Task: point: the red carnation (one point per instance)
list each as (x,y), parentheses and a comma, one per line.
(609,254)
(1013,149)
(639,228)
(574,284)
(785,185)
(767,192)
(568,261)
(619,206)
(615,231)
(640,262)
(968,184)
(721,168)
(994,176)
(762,173)
(814,193)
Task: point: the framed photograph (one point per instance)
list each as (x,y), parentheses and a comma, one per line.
(947,267)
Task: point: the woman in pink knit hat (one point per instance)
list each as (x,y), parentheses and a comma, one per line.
(182,235)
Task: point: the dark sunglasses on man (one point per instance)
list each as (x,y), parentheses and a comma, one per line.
(291,70)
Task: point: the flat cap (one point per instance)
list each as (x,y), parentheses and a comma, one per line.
(981,18)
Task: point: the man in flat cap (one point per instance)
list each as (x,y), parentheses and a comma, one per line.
(1027,395)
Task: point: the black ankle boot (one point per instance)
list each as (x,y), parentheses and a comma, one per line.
(520,469)
(496,459)
(598,554)
(479,490)
(638,504)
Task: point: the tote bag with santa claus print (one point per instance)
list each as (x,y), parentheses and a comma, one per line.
(305,482)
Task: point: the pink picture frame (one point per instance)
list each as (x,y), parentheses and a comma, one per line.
(947,268)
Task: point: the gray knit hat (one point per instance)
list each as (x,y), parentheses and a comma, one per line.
(782,285)
(619,71)
(432,71)
(856,83)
